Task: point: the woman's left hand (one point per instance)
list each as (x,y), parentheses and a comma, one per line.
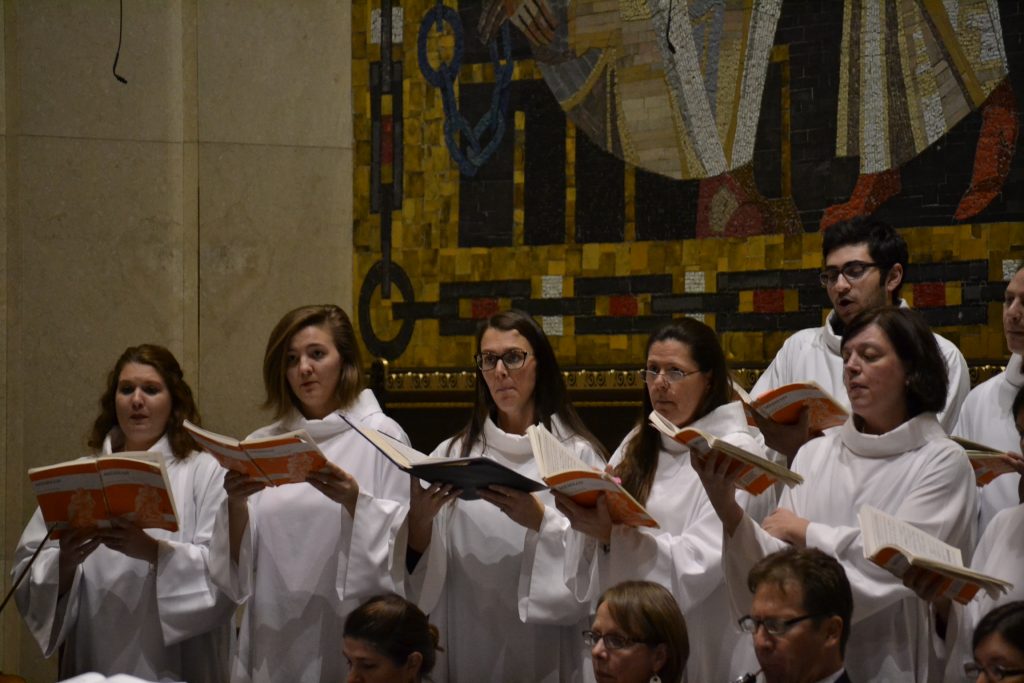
(336,484)
(786,526)
(127,538)
(595,521)
(522,508)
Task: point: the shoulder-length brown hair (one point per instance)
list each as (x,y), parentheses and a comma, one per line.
(647,613)
(550,397)
(640,461)
(183,406)
(335,321)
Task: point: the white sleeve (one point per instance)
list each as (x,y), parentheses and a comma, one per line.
(234,579)
(188,601)
(959,386)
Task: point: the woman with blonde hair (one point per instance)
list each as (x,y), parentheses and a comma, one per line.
(301,561)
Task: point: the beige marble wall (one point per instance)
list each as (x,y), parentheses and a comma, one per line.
(190,207)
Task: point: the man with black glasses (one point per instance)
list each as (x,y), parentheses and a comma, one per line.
(865,262)
(799,617)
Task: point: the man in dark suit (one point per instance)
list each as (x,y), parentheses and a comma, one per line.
(800,616)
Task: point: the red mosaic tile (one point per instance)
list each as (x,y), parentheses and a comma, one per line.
(929,295)
(482,309)
(769,301)
(623,305)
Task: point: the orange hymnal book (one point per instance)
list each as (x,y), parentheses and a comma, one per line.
(756,473)
(896,546)
(283,459)
(783,405)
(987,462)
(89,492)
(562,470)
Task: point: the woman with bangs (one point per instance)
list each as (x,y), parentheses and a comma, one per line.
(892,454)
(301,560)
(126,600)
(467,556)
(688,382)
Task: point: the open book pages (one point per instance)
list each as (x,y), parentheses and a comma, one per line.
(281,459)
(467,474)
(756,474)
(896,545)
(987,462)
(89,492)
(783,405)
(564,471)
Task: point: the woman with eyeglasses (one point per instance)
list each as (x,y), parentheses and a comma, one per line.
(638,635)
(999,646)
(892,454)
(468,555)
(127,600)
(303,556)
(687,381)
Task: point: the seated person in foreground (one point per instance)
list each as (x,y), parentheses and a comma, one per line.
(389,640)
(638,635)
(800,617)
(892,454)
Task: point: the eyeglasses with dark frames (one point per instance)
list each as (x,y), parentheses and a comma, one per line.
(993,673)
(671,376)
(851,270)
(774,626)
(611,641)
(513,359)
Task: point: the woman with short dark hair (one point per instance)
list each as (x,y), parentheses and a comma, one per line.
(891,454)
(389,640)
(126,600)
(302,559)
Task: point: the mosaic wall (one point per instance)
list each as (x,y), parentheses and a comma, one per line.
(481,185)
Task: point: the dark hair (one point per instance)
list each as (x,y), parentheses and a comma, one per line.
(550,397)
(823,580)
(886,246)
(910,336)
(280,396)
(183,406)
(396,628)
(1018,405)
(1006,620)
(640,461)
(647,613)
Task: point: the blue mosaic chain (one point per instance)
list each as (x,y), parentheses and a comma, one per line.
(491,126)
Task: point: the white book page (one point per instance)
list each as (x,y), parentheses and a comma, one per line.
(882,530)
(552,457)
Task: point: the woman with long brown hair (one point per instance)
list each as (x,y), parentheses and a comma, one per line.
(124,600)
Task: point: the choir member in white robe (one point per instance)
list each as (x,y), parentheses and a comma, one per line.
(126,600)
(865,263)
(891,454)
(299,560)
(471,553)
(687,381)
(986,416)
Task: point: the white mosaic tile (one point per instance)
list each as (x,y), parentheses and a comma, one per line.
(397,22)
(552,325)
(551,286)
(694,281)
(1010,267)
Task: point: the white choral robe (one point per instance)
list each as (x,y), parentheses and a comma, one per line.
(684,554)
(304,563)
(122,616)
(913,473)
(467,578)
(985,418)
(1000,553)
(813,355)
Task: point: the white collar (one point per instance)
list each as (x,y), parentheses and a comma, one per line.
(834,341)
(517,446)
(115,439)
(725,419)
(910,435)
(1014,372)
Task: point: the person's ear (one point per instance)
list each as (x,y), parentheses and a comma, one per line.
(413,663)
(894,278)
(833,627)
(660,657)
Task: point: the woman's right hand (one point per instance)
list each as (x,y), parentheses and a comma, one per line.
(424,504)
(240,486)
(75,546)
(718,474)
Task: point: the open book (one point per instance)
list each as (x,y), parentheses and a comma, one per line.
(756,473)
(896,545)
(562,470)
(987,462)
(783,405)
(468,474)
(89,492)
(283,459)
